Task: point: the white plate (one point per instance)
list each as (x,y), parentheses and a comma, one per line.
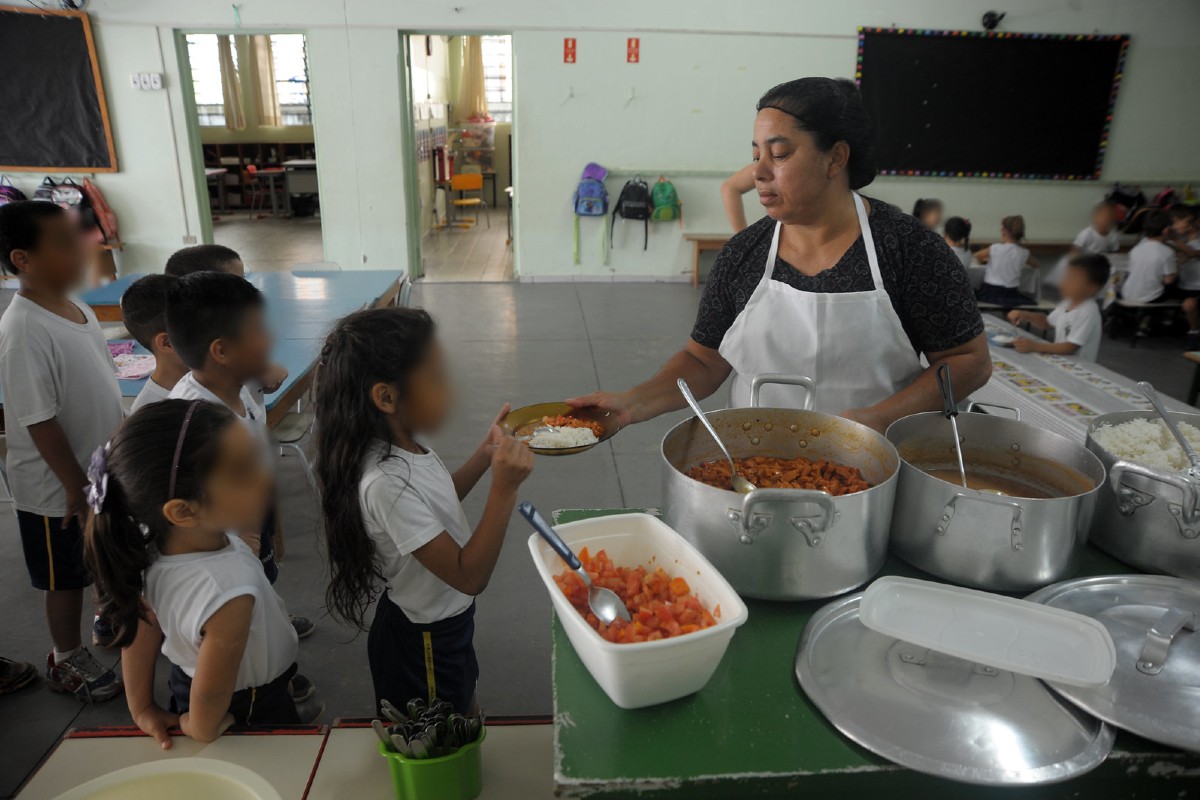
(1003,339)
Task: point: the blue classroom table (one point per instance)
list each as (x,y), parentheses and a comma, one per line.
(301,307)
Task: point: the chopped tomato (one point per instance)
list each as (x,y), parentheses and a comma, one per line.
(661,606)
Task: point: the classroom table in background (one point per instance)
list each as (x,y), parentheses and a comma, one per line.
(1055,392)
(301,178)
(702,242)
(216,176)
(752,732)
(272,175)
(285,757)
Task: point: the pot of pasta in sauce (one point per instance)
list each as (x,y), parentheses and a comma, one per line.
(1023,518)
(817,523)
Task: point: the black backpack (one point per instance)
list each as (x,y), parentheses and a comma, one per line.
(634,202)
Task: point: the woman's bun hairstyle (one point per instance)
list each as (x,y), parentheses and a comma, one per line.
(832,111)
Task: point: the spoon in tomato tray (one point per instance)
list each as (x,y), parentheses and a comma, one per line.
(605,603)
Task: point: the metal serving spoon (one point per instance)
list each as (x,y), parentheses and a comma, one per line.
(950,409)
(740,484)
(605,603)
(1194,470)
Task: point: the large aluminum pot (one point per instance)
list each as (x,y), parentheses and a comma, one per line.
(783,544)
(980,538)
(1147,517)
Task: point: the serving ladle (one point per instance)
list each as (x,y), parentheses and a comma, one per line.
(740,484)
(950,410)
(1146,389)
(605,603)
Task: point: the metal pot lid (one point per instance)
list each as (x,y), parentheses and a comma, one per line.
(938,714)
(1153,619)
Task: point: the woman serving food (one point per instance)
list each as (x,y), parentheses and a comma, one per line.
(848,291)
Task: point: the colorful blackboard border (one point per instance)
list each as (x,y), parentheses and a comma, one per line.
(1062,37)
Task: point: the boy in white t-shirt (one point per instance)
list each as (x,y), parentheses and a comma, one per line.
(1076,320)
(1100,237)
(1153,271)
(144,310)
(61,402)
(1185,240)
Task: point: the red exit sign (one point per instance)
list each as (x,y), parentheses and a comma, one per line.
(568,50)
(633,50)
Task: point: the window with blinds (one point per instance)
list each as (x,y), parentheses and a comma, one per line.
(289,58)
(497,76)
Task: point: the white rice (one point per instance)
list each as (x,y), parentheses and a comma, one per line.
(1147,442)
(552,437)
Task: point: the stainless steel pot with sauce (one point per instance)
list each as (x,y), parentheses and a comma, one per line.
(783,544)
(1023,520)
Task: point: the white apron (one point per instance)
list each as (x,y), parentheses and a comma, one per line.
(851,344)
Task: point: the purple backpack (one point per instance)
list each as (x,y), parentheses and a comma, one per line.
(9,193)
(591,198)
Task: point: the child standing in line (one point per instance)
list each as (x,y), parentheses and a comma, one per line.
(1006,260)
(164,493)
(957,234)
(61,401)
(144,309)
(1153,271)
(1076,320)
(393,510)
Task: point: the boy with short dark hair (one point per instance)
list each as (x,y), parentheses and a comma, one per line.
(144,309)
(1152,268)
(216,322)
(61,401)
(1076,320)
(205,258)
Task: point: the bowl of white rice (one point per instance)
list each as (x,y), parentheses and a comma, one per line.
(557,429)
(1147,441)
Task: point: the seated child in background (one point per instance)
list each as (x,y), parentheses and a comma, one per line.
(1185,240)
(1005,261)
(957,234)
(175,478)
(1101,236)
(1076,320)
(1152,264)
(61,402)
(219,258)
(393,511)
(928,211)
(144,309)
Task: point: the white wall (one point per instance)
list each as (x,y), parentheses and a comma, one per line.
(430,94)
(354,57)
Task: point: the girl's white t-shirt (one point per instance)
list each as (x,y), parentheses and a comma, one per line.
(408,499)
(186,590)
(964,255)
(1005,262)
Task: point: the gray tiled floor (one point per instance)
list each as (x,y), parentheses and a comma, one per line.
(508,342)
(271,243)
(478,253)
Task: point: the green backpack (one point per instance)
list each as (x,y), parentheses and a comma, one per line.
(666,201)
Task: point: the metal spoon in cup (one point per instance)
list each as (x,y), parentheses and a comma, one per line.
(1146,389)
(740,484)
(605,603)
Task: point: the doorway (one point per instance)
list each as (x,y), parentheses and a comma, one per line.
(459,110)
(251,125)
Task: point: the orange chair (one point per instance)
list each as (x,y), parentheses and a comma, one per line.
(469,182)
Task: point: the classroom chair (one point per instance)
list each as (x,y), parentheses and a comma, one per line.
(288,435)
(255,191)
(469,182)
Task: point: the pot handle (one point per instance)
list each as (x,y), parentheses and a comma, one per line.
(943,525)
(1129,499)
(810,388)
(761,506)
(974,404)
(1160,636)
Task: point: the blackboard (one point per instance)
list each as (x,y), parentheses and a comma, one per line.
(53,117)
(995,105)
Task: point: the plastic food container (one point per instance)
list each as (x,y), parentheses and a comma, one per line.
(644,673)
(454,777)
(989,629)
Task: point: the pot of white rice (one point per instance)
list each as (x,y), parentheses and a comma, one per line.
(1150,516)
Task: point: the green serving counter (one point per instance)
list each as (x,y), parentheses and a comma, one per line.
(752,733)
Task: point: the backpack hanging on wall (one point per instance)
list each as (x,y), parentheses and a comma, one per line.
(105,217)
(9,193)
(45,190)
(635,203)
(591,200)
(70,195)
(666,202)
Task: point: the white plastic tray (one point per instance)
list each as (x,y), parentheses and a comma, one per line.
(993,630)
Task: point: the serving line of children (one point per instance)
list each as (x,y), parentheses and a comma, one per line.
(167,512)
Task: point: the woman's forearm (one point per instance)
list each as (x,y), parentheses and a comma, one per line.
(703,369)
